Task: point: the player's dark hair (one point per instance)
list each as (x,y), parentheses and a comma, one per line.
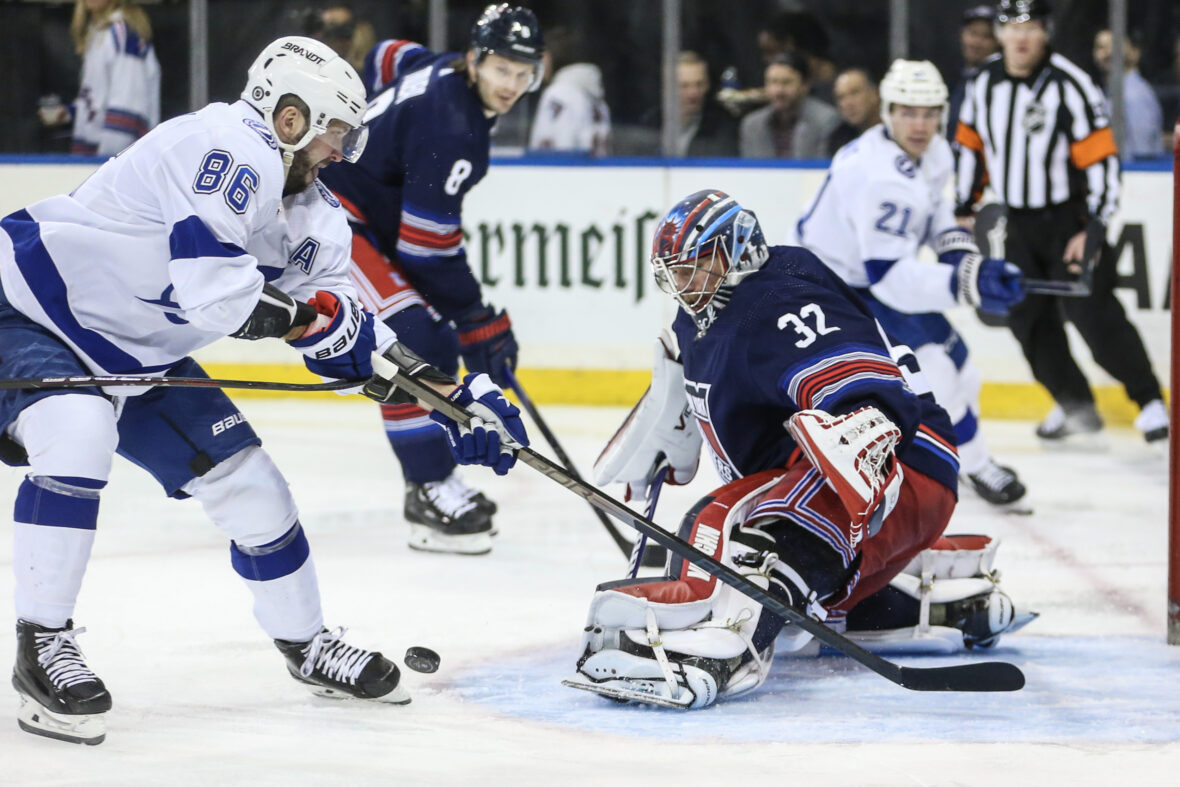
(292,100)
(793,60)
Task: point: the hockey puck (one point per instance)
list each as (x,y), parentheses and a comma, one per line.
(422,659)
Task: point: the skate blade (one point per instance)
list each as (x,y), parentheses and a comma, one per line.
(622,694)
(90,729)
(425,539)
(399,696)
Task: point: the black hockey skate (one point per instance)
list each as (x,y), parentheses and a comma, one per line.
(59,696)
(335,669)
(997,484)
(443,518)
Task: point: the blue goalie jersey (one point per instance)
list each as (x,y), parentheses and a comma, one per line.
(794,337)
(429,142)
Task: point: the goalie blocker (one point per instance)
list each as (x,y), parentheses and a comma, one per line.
(685,640)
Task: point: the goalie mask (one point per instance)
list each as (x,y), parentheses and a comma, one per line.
(912,83)
(706,241)
(313,72)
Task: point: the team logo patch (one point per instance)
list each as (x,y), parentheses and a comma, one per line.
(1034,118)
(328,196)
(906,166)
(262,130)
(698,405)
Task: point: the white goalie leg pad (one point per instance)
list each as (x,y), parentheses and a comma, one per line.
(661,641)
(660,423)
(958,601)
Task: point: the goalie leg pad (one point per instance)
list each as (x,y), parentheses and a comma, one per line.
(946,599)
(686,639)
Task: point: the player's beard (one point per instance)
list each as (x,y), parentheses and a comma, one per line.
(299,175)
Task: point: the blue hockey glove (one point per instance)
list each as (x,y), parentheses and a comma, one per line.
(340,343)
(486,342)
(992,284)
(495,428)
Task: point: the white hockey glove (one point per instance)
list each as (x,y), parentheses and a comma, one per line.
(660,423)
(854,452)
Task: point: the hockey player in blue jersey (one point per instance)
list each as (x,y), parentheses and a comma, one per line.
(429,146)
(881,201)
(840,475)
(212,224)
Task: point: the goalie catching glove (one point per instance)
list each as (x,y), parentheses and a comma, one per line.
(660,425)
(854,453)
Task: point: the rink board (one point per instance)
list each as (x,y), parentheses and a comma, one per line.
(563,243)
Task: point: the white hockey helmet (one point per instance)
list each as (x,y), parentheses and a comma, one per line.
(322,79)
(912,83)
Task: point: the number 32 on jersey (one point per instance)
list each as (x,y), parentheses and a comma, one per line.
(810,313)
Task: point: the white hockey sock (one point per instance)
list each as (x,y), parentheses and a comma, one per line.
(49,563)
(288,607)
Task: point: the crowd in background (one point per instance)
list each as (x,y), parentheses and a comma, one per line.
(770,80)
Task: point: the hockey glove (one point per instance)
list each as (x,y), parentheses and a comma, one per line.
(989,283)
(399,359)
(495,428)
(339,343)
(486,342)
(854,453)
(954,244)
(275,314)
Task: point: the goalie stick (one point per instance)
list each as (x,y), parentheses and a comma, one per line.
(653,497)
(653,557)
(978,676)
(1069,289)
(107,381)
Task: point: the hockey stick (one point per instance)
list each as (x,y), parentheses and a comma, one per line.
(1068,289)
(653,494)
(979,676)
(106,381)
(654,557)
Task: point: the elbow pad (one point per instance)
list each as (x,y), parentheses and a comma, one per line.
(274,316)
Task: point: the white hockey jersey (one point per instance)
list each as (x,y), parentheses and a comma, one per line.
(874,211)
(166,247)
(572,115)
(119,98)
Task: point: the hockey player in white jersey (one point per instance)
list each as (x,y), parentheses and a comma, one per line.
(882,200)
(211,225)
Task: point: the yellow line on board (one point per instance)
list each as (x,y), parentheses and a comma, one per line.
(623,387)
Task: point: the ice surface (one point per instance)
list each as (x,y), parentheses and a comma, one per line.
(201,696)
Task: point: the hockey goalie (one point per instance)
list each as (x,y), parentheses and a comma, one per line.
(840,474)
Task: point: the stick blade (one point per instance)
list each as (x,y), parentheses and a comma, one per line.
(983,676)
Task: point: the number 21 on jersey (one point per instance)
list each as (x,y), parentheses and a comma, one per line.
(798,322)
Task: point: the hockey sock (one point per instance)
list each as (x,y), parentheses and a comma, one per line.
(973,452)
(281,576)
(419,443)
(55,521)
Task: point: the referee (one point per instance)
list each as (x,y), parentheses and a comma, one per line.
(1034,126)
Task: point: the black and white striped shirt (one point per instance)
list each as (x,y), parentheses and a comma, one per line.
(1039,141)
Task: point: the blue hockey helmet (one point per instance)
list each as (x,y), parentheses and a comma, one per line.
(512,32)
(706,241)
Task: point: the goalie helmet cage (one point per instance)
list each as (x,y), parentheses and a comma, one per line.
(1174,442)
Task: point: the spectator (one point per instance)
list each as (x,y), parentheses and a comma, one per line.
(705,128)
(572,114)
(337,26)
(794,124)
(119,96)
(801,32)
(1143,115)
(859,105)
(977,42)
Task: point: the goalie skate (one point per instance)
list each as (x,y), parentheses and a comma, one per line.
(628,677)
(60,697)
